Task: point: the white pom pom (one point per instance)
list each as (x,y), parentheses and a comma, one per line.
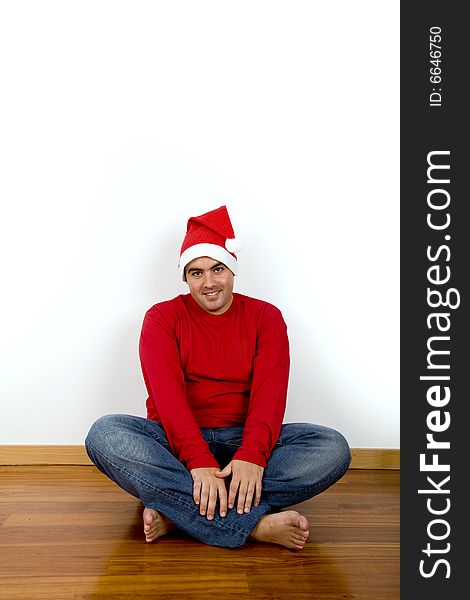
(233,244)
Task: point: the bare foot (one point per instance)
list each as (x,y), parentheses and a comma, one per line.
(155,524)
(288,528)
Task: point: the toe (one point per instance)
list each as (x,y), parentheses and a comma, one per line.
(149,514)
(297,546)
(302,523)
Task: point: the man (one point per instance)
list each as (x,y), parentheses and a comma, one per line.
(212,457)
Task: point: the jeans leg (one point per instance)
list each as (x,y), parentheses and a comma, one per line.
(306,460)
(135,454)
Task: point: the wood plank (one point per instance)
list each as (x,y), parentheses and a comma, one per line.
(375,458)
(35,454)
(362,458)
(69,532)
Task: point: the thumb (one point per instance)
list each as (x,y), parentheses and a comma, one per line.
(225,472)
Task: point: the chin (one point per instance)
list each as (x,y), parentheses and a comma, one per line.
(213,307)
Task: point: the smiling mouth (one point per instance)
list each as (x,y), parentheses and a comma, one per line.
(211,294)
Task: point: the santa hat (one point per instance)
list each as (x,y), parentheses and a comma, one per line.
(210,234)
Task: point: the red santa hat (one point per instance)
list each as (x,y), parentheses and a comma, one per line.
(210,234)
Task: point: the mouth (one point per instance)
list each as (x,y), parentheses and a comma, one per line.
(211,294)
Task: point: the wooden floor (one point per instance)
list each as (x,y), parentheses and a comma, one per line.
(68,533)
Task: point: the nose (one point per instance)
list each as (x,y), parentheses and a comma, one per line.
(209,280)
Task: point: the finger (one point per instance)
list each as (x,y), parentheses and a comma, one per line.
(222,500)
(224,472)
(212,502)
(197,492)
(204,498)
(241,498)
(249,496)
(233,493)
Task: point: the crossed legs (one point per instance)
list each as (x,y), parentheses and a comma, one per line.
(135,453)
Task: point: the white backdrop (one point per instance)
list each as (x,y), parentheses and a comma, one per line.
(119,120)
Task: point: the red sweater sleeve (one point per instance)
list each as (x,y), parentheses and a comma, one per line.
(268,391)
(164,378)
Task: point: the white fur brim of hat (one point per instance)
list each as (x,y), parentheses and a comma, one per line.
(212,251)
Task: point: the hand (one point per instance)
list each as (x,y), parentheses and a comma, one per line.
(206,489)
(246,480)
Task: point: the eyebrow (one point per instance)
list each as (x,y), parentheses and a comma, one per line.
(219,264)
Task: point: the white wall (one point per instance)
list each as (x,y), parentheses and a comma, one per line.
(120,120)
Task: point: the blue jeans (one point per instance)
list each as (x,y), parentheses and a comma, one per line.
(134,452)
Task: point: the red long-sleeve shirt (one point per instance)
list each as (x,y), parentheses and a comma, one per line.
(206,370)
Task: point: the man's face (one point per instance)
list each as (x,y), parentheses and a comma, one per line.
(210,283)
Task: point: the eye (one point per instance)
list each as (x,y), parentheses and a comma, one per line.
(196,273)
(218,270)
